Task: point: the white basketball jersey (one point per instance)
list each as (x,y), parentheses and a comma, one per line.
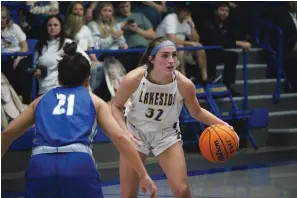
(153,105)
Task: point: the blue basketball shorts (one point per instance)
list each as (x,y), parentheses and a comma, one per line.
(62,175)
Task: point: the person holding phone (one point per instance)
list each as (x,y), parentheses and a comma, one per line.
(138,31)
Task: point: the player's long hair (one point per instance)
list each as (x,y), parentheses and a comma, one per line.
(74,68)
(144,60)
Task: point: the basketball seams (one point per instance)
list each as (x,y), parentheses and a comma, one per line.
(201,137)
(210,146)
(212,142)
(213,128)
(236,142)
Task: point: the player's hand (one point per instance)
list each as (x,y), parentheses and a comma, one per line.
(231,127)
(147,183)
(133,138)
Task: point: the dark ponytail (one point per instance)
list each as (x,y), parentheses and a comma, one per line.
(74,68)
(70,49)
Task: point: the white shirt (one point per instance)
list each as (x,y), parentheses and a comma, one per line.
(84,38)
(171,25)
(12,37)
(49,58)
(107,42)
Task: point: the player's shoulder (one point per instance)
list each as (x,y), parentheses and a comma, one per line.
(185,85)
(182,80)
(136,75)
(98,102)
(34,103)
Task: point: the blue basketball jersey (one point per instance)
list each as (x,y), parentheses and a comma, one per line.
(64,116)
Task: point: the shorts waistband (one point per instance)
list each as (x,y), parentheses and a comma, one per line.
(77,147)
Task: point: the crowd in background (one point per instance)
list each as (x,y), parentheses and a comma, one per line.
(122,25)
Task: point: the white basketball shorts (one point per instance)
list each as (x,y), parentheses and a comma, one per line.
(155,141)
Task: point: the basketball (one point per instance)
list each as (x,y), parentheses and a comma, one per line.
(218,143)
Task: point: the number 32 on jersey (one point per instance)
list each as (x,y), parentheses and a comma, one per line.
(155,114)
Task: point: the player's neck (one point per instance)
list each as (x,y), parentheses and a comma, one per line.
(159,78)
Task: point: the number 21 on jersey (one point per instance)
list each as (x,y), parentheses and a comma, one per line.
(60,109)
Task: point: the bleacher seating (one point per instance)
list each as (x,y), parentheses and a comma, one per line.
(209,93)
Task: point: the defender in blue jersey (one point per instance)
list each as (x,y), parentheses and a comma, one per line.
(62,165)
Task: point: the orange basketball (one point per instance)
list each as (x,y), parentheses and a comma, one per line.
(218,143)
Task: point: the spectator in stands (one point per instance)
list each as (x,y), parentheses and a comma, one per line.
(244,17)
(43,8)
(48,51)
(91,8)
(138,30)
(107,34)
(179,26)
(35,13)
(13,39)
(153,10)
(76,7)
(218,31)
(76,30)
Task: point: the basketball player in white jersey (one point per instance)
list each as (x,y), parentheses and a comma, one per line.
(157,93)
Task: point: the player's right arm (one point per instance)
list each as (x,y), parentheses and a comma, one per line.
(122,142)
(18,126)
(128,86)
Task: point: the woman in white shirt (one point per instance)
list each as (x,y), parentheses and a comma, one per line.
(13,39)
(48,52)
(76,30)
(106,32)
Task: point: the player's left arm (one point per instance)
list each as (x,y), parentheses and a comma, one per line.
(188,92)
(18,126)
